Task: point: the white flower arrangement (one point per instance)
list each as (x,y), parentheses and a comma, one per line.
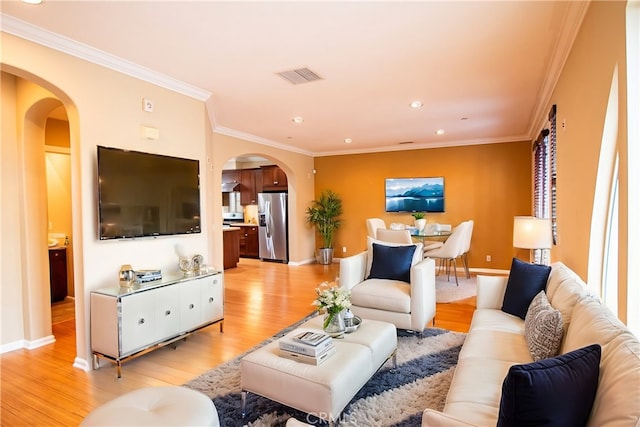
(331,299)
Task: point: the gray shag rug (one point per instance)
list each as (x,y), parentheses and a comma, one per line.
(390,398)
(447,291)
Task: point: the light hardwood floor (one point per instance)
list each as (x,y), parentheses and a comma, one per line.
(41,387)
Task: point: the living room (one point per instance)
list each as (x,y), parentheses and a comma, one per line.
(497,187)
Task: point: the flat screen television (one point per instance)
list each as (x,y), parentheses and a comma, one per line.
(143,194)
(414,194)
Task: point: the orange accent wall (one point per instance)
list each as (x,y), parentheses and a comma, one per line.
(489,184)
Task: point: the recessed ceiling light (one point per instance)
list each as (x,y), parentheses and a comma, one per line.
(440,132)
(416,104)
(348,140)
(298,120)
(32,1)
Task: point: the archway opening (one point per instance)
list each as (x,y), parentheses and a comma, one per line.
(255,200)
(43,230)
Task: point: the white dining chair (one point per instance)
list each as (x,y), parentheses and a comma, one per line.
(451,250)
(467,247)
(394,236)
(373,224)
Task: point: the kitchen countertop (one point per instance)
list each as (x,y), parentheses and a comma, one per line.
(229,228)
(239,224)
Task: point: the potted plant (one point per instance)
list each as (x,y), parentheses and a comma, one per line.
(324,215)
(420,221)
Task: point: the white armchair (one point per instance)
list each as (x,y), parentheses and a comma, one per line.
(408,305)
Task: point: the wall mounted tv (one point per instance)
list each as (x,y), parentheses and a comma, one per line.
(143,194)
(414,194)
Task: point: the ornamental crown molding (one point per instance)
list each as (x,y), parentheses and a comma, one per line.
(35,34)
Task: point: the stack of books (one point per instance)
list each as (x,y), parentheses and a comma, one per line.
(143,276)
(310,347)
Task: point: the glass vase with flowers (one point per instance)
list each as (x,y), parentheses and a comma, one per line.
(332,300)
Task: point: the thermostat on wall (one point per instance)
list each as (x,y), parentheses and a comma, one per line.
(147,105)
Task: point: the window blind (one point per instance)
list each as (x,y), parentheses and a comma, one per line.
(552,161)
(544,180)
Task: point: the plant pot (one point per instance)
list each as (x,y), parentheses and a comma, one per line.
(420,223)
(325,256)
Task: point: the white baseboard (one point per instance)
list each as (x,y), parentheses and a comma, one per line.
(81,363)
(29,345)
(489,271)
(12,346)
(40,342)
(303,262)
(492,271)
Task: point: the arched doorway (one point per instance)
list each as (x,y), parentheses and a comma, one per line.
(41,121)
(57,152)
(254,198)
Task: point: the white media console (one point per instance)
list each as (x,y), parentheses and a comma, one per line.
(129,322)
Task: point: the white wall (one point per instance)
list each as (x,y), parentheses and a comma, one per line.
(104,108)
(301,181)
(11,323)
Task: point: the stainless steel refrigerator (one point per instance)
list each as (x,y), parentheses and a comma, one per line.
(273,227)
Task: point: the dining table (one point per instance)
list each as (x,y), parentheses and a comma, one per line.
(431,235)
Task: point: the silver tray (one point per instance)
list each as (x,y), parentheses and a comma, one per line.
(357,321)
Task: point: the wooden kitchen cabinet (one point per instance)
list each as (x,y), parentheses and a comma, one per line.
(248,190)
(249,241)
(231,247)
(230,175)
(58,273)
(273,178)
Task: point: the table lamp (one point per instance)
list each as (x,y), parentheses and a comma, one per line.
(531,233)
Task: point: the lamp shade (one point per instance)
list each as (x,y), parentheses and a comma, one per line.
(531,233)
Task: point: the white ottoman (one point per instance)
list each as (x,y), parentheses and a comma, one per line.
(156,406)
(324,390)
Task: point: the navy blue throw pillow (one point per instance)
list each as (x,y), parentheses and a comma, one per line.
(392,262)
(525,282)
(559,391)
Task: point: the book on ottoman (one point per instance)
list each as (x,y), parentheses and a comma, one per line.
(311,360)
(307,343)
(311,338)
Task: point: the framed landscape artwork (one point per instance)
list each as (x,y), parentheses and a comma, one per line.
(414,194)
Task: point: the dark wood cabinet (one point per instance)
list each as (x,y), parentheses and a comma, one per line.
(248,190)
(230,175)
(258,177)
(273,178)
(231,248)
(249,241)
(253,181)
(58,273)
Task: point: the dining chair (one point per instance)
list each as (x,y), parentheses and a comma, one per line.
(467,247)
(373,224)
(394,236)
(451,250)
(428,245)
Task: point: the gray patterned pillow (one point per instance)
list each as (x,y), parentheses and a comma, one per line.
(543,328)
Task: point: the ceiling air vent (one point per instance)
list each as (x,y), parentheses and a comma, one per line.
(299,75)
(405,142)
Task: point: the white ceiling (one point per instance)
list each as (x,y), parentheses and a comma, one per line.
(483,69)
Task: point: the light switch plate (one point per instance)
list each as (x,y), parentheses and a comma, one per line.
(150,132)
(147,105)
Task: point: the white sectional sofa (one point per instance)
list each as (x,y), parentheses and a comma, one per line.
(496,341)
